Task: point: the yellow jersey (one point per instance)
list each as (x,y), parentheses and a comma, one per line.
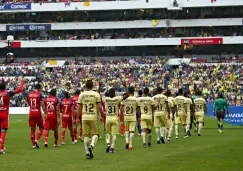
(188,105)
(89,100)
(199,106)
(161,109)
(112,107)
(146,104)
(181,101)
(130,108)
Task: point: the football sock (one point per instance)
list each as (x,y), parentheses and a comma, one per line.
(75,133)
(170,132)
(200,128)
(144,137)
(108,140)
(184,128)
(131,138)
(139,128)
(32,136)
(81,132)
(41,130)
(122,129)
(187,128)
(56,136)
(176,130)
(72,135)
(149,137)
(63,136)
(86,144)
(46,134)
(2,139)
(162,131)
(94,140)
(219,125)
(113,141)
(157,130)
(127,136)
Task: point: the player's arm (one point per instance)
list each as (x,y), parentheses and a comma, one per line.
(156,105)
(58,113)
(214,107)
(20,88)
(167,108)
(100,110)
(80,106)
(43,106)
(139,112)
(227,107)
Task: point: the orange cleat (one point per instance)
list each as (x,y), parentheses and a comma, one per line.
(130,148)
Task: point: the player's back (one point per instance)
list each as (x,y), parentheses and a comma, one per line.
(34,101)
(112,107)
(188,103)
(180,101)
(145,104)
(172,102)
(51,103)
(4,103)
(220,104)
(199,106)
(75,103)
(66,108)
(130,105)
(89,100)
(161,109)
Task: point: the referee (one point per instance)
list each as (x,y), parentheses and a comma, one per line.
(219,107)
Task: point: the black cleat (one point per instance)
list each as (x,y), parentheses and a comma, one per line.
(112,150)
(158,142)
(162,140)
(46,145)
(189,133)
(149,144)
(127,145)
(199,135)
(88,156)
(91,152)
(145,145)
(36,144)
(108,148)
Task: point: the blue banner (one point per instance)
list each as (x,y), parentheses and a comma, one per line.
(28,27)
(235,117)
(5,7)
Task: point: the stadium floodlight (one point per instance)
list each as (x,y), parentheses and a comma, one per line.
(10,38)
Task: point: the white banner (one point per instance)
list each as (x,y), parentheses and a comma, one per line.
(19,110)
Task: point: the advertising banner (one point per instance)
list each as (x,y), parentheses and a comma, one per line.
(202,41)
(235,116)
(4,44)
(28,27)
(6,7)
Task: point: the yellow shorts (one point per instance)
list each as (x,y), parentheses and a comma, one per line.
(90,127)
(199,118)
(188,119)
(146,124)
(111,127)
(177,120)
(169,123)
(182,119)
(130,126)
(160,121)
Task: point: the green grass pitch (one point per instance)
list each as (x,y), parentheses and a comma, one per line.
(211,152)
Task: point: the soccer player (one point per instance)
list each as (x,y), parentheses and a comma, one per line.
(188,112)
(161,114)
(130,108)
(52,117)
(146,105)
(35,101)
(77,117)
(104,110)
(140,94)
(200,110)
(219,107)
(181,108)
(67,117)
(4,110)
(90,104)
(112,104)
(173,113)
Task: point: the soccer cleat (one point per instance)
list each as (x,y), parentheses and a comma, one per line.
(80,139)
(130,148)
(56,145)
(162,140)
(220,131)
(34,147)
(168,139)
(139,135)
(149,144)
(63,143)
(145,145)
(75,141)
(177,137)
(188,133)
(127,146)
(108,148)
(91,152)
(2,151)
(88,156)
(199,134)
(99,137)
(46,145)
(158,141)
(36,144)
(112,150)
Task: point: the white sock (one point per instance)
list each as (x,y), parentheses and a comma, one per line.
(113,141)
(166,133)
(127,136)
(108,140)
(157,130)
(162,131)
(94,140)
(170,132)
(176,130)
(144,137)
(200,128)
(187,128)
(131,138)
(149,137)
(86,144)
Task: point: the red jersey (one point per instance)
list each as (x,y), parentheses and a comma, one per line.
(51,104)
(34,100)
(103,106)
(66,108)
(75,104)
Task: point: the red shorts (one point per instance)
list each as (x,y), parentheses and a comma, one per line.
(4,123)
(36,121)
(51,124)
(67,123)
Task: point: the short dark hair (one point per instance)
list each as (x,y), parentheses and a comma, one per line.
(107,93)
(131,90)
(140,92)
(37,86)
(180,91)
(199,92)
(53,92)
(89,84)
(112,92)
(146,91)
(3,85)
(168,93)
(159,90)
(67,96)
(221,95)
(77,92)
(186,93)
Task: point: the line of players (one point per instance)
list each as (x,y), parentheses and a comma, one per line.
(161,111)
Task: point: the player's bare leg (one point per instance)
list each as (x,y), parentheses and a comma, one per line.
(80,134)
(131,136)
(108,142)
(162,134)
(185,130)
(32,137)
(200,125)
(144,138)
(2,140)
(127,139)
(41,130)
(177,131)
(63,135)
(46,135)
(72,135)
(56,138)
